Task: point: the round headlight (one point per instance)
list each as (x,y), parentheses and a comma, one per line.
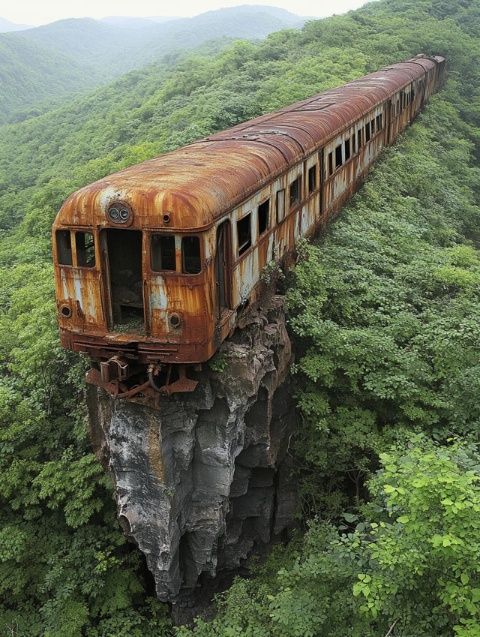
(175,320)
(119,213)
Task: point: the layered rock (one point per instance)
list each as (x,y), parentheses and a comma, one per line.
(203,479)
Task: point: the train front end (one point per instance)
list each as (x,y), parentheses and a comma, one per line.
(133,285)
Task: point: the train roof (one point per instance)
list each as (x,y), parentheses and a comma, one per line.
(198,183)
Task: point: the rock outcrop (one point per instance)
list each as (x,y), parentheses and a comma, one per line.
(202,480)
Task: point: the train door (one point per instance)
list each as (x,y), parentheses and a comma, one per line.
(122,261)
(222,268)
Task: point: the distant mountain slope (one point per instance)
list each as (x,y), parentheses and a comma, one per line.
(31,74)
(58,59)
(121,44)
(7,26)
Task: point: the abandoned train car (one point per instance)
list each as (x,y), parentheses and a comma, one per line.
(154,263)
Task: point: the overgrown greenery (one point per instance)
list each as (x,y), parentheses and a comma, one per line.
(384,310)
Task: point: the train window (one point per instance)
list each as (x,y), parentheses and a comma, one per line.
(367,132)
(163,252)
(191,261)
(330,163)
(312,179)
(280,205)
(359,139)
(354,149)
(244,234)
(338,156)
(263,213)
(85,246)
(379,122)
(347,149)
(295,191)
(64,247)
(372,126)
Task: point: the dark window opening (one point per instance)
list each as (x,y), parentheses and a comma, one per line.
(380,122)
(64,247)
(263,214)
(330,163)
(295,191)
(372,125)
(163,252)
(347,149)
(85,245)
(280,205)
(312,179)
(354,149)
(338,156)
(244,233)
(367,132)
(359,139)
(191,260)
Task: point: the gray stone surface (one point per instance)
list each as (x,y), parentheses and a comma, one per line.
(203,479)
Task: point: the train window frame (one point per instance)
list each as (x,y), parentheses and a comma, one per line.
(367,132)
(347,150)
(330,164)
(353,143)
(372,127)
(338,156)
(153,253)
(197,256)
(263,217)
(81,252)
(359,139)
(245,244)
(312,179)
(295,192)
(62,250)
(280,209)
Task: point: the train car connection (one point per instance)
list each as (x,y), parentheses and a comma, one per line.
(155,263)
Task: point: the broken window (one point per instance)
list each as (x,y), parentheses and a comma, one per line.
(347,149)
(330,163)
(295,191)
(64,247)
(312,179)
(85,246)
(338,156)
(263,214)
(367,132)
(163,252)
(280,205)
(244,234)
(191,259)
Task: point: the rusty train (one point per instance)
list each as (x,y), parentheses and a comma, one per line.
(154,264)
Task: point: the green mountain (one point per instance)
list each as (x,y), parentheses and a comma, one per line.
(6,26)
(385,312)
(44,64)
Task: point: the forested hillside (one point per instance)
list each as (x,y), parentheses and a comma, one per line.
(385,313)
(66,57)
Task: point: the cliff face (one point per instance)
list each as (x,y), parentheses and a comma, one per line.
(202,480)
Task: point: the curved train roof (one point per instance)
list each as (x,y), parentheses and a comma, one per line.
(199,182)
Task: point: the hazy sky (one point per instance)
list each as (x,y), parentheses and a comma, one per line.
(43,11)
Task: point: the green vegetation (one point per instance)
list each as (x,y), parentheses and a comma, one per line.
(42,66)
(385,312)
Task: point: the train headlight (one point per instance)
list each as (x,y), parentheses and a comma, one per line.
(175,320)
(119,213)
(65,311)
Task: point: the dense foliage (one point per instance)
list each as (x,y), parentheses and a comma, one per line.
(43,65)
(385,314)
